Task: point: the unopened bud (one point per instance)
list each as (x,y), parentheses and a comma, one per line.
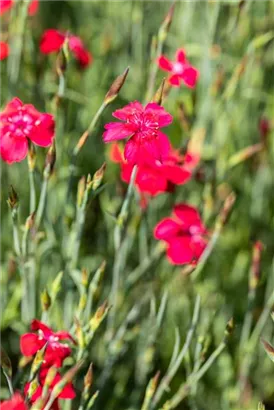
(56,285)
(45,300)
(158,97)
(269,349)
(30,221)
(37,362)
(82,302)
(166,23)
(50,160)
(226,210)
(116,87)
(13,200)
(88,380)
(256,265)
(79,334)
(32,388)
(84,277)
(229,327)
(98,177)
(99,316)
(81,190)
(89,182)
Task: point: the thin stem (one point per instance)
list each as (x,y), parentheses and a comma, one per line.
(43,198)
(163,386)
(9,382)
(32,191)
(16,240)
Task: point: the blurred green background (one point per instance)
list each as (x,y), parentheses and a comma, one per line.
(232,45)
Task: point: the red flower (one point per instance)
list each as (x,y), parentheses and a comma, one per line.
(18,123)
(157,177)
(6,5)
(146,142)
(4,50)
(55,353)
(52,40)
(16,402)
(180,70)
(67,392)
(184,233)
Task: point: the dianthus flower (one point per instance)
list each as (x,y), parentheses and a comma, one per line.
(6,5)
(19,123)
(55,353)
(16,402)
(180,69)
(142,125)
(184,233)
(67,392)
(157,177)
(4,50)
(52,40)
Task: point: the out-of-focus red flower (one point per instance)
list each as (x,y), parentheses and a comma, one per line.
(157,177)
(5,5)
(67,392)
(55,353)
(19,123)
(184,233)
(16,402)
(52,40)
(142,124)
(180,69)
(4,50)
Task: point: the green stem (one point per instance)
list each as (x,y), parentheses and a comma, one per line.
(43,197)
(32,191)
(9,383)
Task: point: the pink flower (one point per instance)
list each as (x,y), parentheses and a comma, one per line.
(16,402)
(6,5)
(4,50)
(52,40)
(146,143)
(55,353)
(180,70)
(184,233)
(19,123)
(157,177)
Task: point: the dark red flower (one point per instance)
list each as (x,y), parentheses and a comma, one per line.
(181,70)
(52,40)
(16,402)
(142,124)
(55,353)
(4,50)
(157,177)
(184,233)
(6,5)
(67,392)
(19,123)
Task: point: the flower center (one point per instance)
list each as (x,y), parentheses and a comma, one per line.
(21,124)
(178,68)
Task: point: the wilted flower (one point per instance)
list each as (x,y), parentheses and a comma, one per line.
(4,50)
(156,177)
(52,40)
(142,124)
(181,70)
(22,122)
(55,353)
(6,5)
(16,402)
(184,233)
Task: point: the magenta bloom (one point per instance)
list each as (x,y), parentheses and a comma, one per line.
(180,70)
(56,352)
(4,50)
(184,233)
(142,125)
(19,123)
(52,40)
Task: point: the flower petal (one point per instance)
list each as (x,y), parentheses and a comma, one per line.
(33,7)
(81,54)
(4,50)
(162,117)
(30,344)
(190,76)
(51,41)
(176,174)
(5,5)
(174,80)
(189,216)
(181,56)
(11,107)
(164,63)
(150,180)
(116,131)
(38,325)
(12,149)
(130,109)
(180,250)
(43,133)
(116,154)
(166,229)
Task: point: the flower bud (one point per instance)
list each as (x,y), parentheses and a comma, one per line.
(229,328)
(45,300)
(159,93)
(98,176)
(50,160)
(256,265)
(79,334)
(99,316)
(31,156)
(81,190)
(166,23)
(227,207)
(32,388)
(269,349)
(13,200)
(116,87)
(88,380)
(84,277)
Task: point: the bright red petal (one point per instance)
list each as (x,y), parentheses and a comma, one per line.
(174,80)
(124,113)
(116,154)
(166,229)
(132,152)
(4,50)
(162,117)
(188,215)
(16,402)
(176,174)
(116,131)
(63,335)
(5,5)
(11,107)
(164,145)
(67,392)
(181,56)
(190,76)
(33,7)
(180,251)
(12,149)
(81,54)
(43,133)
(38,325)
(30,344)
(126,170)
(149,180)
(52,40)
(164,63)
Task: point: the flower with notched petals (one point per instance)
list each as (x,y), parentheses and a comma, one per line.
(184,233)
(141,125)
(181,70)
(52,40)
(56,351)
(22,122)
